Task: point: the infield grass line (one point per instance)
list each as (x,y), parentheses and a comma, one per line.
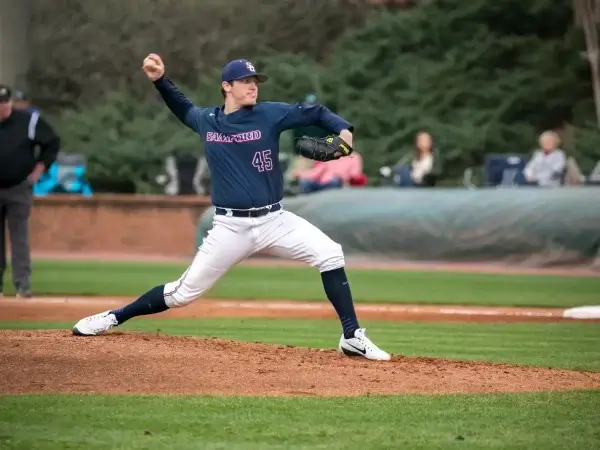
(107,278)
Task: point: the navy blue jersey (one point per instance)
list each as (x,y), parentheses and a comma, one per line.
(242,148)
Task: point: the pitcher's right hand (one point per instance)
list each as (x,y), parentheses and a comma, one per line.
(153,67)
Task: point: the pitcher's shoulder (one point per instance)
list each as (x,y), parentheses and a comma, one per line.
(210,112)
(213,110)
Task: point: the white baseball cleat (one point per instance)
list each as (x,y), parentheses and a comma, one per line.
(96,324)
(361,345)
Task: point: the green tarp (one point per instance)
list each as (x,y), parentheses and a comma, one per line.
(527,225)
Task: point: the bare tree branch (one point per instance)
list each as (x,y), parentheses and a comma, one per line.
(587,15)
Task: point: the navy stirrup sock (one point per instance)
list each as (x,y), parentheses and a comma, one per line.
(338,292)
(151,302)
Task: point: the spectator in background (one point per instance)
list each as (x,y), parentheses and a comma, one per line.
(28,147)
(22,103)
(298,165)
(547,166)
(331,174)
(413,173)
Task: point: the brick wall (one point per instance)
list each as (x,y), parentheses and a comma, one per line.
(150,225)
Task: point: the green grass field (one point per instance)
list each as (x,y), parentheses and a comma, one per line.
(540,421)
(132,279)
(565,420)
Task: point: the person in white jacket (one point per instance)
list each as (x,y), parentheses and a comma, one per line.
(547,165)
(422,162)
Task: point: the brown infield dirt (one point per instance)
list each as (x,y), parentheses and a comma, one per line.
(142,363)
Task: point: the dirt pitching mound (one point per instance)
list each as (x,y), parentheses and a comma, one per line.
(136,363)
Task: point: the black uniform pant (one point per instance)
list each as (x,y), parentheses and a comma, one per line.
(15,210)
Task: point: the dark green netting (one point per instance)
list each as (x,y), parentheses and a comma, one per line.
(529,225)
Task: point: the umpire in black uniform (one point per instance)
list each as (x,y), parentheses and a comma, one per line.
(28,146)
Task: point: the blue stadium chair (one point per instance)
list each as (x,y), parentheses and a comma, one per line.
(505,170)
(66,175)
(185,174)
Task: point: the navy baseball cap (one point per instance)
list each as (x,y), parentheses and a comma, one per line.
(241,68)
(5,93)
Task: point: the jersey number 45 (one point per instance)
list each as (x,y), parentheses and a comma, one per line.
(262,161)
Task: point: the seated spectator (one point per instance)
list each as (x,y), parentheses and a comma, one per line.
(547,166)
(414,174)
(298,165)
(331,174)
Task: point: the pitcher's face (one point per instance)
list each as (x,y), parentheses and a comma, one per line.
(244,91)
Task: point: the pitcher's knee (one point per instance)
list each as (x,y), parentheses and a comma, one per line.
(332,258)
(178,294)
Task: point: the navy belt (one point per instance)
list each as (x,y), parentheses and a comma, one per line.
(257,212)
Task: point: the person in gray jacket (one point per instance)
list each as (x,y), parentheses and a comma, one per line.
(547,166)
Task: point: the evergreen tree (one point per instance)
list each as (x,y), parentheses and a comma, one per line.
(483,77)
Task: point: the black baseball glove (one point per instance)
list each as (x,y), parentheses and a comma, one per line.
(323,149)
